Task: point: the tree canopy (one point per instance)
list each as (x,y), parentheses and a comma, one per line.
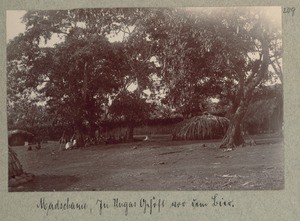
(182,58)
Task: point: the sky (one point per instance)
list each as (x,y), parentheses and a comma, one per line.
(14,26)
(13,23)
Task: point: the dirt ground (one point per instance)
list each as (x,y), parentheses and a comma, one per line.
(159,164)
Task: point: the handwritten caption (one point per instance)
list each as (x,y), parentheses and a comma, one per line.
(289,10)
(144,205)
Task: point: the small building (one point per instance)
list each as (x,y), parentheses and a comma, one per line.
(19,137)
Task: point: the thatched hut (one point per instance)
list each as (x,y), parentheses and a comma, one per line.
(16,175)
(19,137)
(14,165)
(203,127)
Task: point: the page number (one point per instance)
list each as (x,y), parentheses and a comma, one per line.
(289,10)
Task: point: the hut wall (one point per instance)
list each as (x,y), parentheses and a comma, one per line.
(17,140)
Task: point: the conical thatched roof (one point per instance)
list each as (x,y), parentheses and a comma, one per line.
(202,127)
(16,175)
(18,137)
(14,165)
(23,132)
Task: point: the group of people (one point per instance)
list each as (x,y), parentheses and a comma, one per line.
(67,143)
(78,140)
(34,142)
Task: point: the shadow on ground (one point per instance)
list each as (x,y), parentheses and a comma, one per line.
(46,183)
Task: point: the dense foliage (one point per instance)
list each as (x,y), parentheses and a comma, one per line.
(177,58)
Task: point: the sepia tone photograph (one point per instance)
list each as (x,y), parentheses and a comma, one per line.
(138,99)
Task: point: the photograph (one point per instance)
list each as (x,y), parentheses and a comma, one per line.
(145,99)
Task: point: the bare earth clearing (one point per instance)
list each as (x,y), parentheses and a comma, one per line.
(159,164)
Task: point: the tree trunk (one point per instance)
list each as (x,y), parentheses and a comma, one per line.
(233,136)
(85,83)
(78,132)
(130,132)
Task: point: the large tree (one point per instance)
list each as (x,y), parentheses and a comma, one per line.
(254,46)
(222,53)
(78,75)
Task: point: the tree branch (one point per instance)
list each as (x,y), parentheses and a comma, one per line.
(264,64)
(278,72)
